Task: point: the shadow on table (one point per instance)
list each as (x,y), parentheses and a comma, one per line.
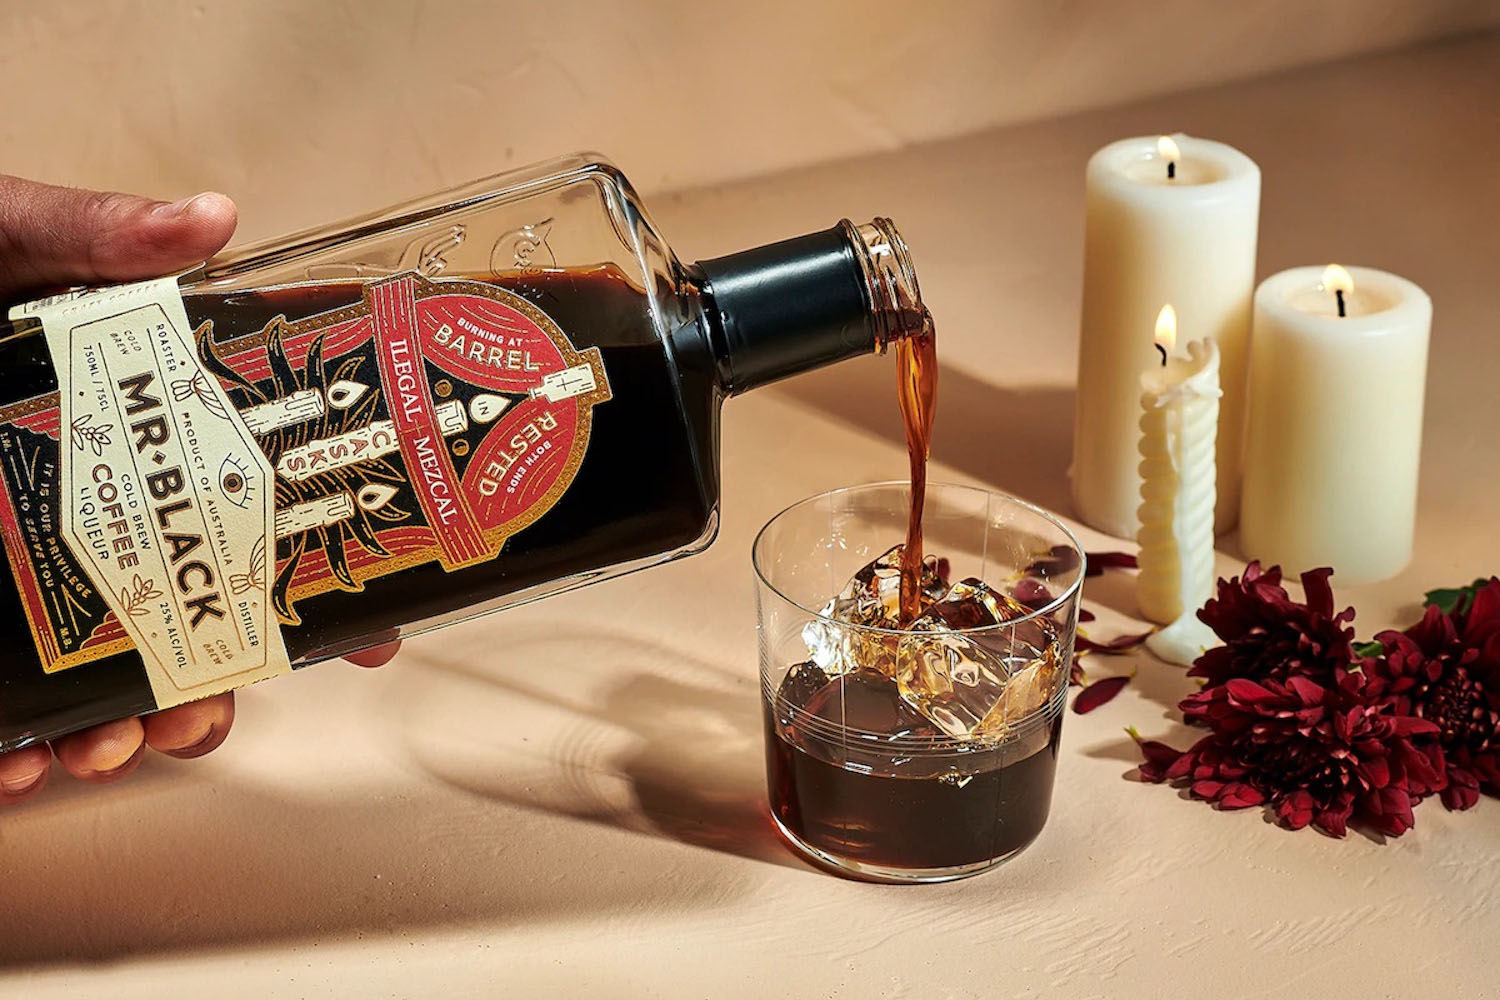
(169,862)
(1017,439)
(628,733)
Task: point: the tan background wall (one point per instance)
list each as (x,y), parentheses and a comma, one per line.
(307,110)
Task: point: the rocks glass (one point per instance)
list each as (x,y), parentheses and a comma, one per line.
(926,753)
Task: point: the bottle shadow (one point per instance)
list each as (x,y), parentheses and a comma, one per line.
(175,863)
(637,735)
(633,735)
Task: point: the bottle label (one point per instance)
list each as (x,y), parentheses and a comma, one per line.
(429,422)
(158,492)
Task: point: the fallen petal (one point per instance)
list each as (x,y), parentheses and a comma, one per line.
(1059,559)
(1098,562)
(1032,593)
(1119,644)
(1099,692)
(1075,674)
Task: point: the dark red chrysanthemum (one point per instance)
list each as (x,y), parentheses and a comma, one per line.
(1267,635)
(1308,751)
(1446,670)
(1298,724)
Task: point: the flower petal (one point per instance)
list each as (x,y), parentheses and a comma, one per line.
(1099,692)
(1157,757)
(1247,691)
(1059,559)
(1032,593)
(1238,795)
(1207,789)
(1119,644)
(1376,771)
(1334,822)
(1319,593)
(1098,562)
(1295,810)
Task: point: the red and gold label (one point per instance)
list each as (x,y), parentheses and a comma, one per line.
(429,422)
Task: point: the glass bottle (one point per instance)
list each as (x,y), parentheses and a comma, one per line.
(464,403)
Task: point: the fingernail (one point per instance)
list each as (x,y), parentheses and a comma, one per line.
(118,770)
(20,786)
(171,210)
(193,749)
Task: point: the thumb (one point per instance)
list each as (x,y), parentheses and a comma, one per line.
(56,236)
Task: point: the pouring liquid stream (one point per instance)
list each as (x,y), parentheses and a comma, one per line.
(916,389)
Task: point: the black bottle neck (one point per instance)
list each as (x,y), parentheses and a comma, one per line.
(802,303)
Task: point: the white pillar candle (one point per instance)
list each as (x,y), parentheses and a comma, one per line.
(1178,425)
(1188,239)
(1335,432)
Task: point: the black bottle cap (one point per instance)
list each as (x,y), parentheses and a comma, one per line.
(787,307)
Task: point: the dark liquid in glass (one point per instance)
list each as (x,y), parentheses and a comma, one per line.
(946,804)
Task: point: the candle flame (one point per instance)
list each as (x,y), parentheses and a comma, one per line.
(1167,149)
(1166,329)
(1336,279)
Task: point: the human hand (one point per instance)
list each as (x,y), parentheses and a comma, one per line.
(53,237)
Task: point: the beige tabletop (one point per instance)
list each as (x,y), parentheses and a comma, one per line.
(568,799)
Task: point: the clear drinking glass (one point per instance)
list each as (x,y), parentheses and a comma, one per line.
(926,754)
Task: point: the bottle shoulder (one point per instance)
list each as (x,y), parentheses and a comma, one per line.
(573,212)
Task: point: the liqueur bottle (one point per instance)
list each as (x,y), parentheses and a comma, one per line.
(317,443)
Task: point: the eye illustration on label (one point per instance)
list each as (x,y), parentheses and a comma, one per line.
(235,481)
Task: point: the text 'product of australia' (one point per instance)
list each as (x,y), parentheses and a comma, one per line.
(318,443)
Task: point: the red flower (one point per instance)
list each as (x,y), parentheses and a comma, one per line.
(1446,670)
(1267,635)
(1298,724)
(1309,752)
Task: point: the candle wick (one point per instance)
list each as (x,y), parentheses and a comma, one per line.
(1171,169)
(1163,351)
(1338,293)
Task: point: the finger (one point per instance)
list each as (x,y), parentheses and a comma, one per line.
(23,773)
(103,753)
(53,236)
(375,656)
(191,730)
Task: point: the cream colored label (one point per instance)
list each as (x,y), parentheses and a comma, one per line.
(169,503)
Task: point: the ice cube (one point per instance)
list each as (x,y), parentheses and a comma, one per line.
(871,598)
(801,684)
(977,684)
(873,595)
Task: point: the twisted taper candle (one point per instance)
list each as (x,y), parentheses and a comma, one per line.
(1179,421)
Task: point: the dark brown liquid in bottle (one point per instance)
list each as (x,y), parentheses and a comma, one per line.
(899,795)
(627,502)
